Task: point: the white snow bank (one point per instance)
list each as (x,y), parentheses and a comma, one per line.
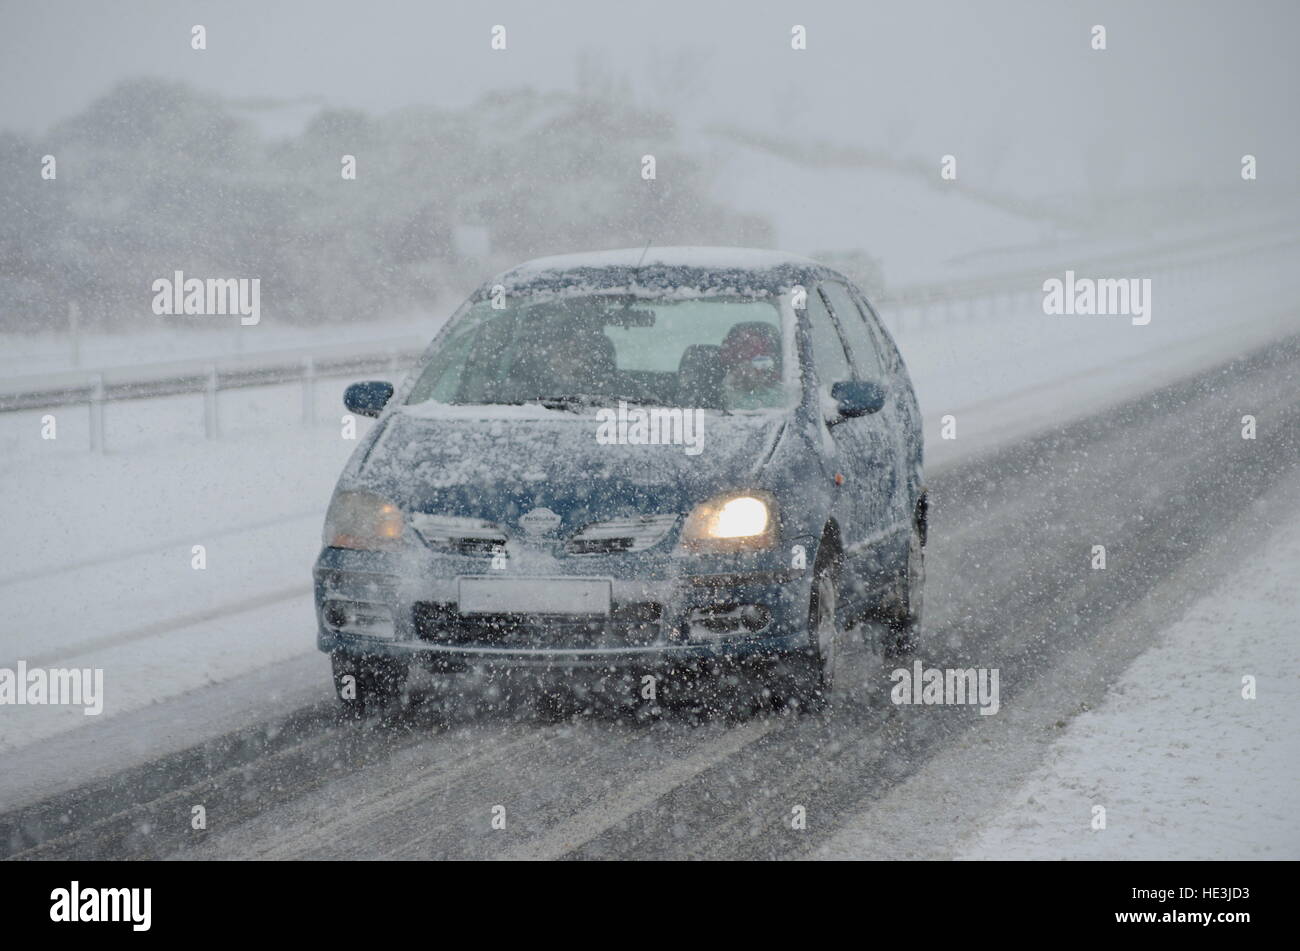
(1183,765)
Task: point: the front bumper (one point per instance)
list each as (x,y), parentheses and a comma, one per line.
(663,615)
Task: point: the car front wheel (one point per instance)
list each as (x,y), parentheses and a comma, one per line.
(810,674)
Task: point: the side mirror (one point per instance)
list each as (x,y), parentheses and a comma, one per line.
(369,398)
(857,398)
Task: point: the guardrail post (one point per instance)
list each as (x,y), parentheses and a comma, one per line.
(211,421)
(97,414)
(74,331)
(308,391)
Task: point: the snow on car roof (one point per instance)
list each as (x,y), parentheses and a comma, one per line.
(701,257)
(731,270)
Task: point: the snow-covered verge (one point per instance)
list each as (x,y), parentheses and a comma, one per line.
(107,577)
(1183,764)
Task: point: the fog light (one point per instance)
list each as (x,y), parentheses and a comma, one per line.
(362,618)
(722,620)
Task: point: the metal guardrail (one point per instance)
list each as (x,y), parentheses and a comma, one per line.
(910,307)
(200,376)
(209,381)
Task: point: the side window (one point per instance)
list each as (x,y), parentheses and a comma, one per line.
(888,348)
(866,354)
(828,349)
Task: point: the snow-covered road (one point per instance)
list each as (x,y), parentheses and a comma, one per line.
(1165,480)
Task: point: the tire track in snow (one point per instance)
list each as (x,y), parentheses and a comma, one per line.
(577,830)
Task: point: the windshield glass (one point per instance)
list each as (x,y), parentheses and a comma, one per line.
(723,353)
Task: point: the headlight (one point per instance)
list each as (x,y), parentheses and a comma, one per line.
(738,521)
(362,520)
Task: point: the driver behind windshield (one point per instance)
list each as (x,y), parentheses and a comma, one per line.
(711,352)
(751,360)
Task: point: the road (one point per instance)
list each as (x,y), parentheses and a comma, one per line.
(1165,481)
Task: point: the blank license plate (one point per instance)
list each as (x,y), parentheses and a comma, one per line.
(534,595)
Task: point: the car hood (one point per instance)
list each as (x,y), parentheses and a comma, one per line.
(501,462)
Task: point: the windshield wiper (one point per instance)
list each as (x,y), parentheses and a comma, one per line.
(569,401)
(576,401)
(572,401)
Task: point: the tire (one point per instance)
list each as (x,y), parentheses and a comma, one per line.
(811,673)
(367,682)
(903,622)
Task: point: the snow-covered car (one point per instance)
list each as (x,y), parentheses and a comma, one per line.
(660,461)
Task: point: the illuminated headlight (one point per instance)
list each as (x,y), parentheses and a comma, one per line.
(734,522)
(362,520)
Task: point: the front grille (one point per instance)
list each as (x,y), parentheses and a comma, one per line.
(472,536)
(465,536)
(636,533)
(632,624)
(476,546)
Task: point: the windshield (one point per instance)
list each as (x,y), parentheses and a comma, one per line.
(724,353)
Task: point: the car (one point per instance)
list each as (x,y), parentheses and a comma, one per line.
(647,462)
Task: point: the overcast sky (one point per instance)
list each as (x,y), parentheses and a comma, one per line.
(1183,90)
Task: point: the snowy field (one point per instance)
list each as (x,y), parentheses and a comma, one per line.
(923,230)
